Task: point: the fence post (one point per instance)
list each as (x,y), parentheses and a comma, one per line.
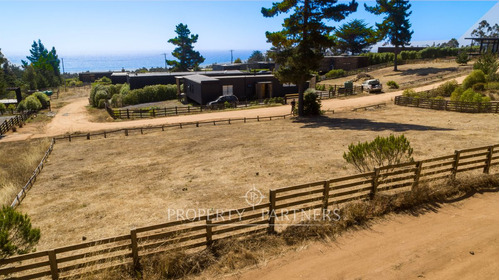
(229,121)
(486,169)
(69,138)
(128,114)
(189,109)
(375,183)
(142,132)
(245,120)
(417,175)
(326,194)
(455,165)
(258,119)
(135,249)
(176,110)
(88,136)
(126,132)
(209,230)
(163,128)
(53,265)
(104,134)
(154,113)
(272,213)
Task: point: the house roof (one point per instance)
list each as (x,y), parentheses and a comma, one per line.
(200,78)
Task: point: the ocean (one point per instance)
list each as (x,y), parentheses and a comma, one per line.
(97,63)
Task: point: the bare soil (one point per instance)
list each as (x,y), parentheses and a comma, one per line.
(456,241)
(102,188)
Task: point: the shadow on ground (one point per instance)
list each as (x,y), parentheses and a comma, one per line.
(362,124)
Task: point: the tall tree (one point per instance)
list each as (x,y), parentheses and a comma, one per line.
(484,29)
(256,56)
(3,82)
(298,47)
(395,27)
(45,63)
(453,43)
(184,52)
(355,37)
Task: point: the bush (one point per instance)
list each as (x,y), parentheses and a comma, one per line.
(312,104)
(43,98)
(392,84)
(455,95)
(382,151)
(116,101)
(125,89)
(409,92)
(11,108)
(476,76)
(462,58)
(407,55)
(32,103)
(16,233)
(335,73)
(100,95)
(471,96)
(93,91)
(446,89)
(488,63)
(21,106)
(148,94)
(2,108)
(103,81)
(479,87)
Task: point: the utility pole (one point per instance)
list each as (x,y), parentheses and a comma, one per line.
(165,55)
(62,60)
(231,56)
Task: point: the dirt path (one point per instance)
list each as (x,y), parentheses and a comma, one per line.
(74,116)
(459,241)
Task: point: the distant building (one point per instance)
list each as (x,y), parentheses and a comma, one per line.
(486,44)
(244,66)
(90,77)
(203,89)
(342,62)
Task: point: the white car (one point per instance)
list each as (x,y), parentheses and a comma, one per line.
(372,86)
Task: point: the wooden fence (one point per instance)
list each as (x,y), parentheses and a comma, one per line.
(455,106)
(142,130)
(200,232)
(22,194)
(17,120)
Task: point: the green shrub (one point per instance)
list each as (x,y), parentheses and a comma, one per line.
(93,91)
(32,103)
(408,55)
(11,108)
(462,58)
(492,86)
(103,81)
(228,105)
(43,98)
(101,103)
(488,63)
(131,98)
(392,84)
(455,95)
(125,89)
(446,89)
(312,104)
(471,96)
(21,106)
(3,109)
(382,151)
(335,73)
(476,76)
(17,236)
(100,94)
(409,92)
(74,82)
(116,101)
(378,58)
(479,87)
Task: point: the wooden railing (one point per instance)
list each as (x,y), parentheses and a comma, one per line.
(456,106)
(200,232)
(17,120)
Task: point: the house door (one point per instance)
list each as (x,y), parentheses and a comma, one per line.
(264,90)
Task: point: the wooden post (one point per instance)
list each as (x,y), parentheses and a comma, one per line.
(209,231)
(69,138)
(88,136)
(128,114)
(142,132)
(165,111)
(135,249)
(486,169)
(197,124)
(455,165)
(126,132)
(229,121)
(201,108)
(417,175)
(163,128)
(326,194)
(180,125)
(140,113)
(154,113)
(176,110)
(54,271)
(272,213)
(244,120)
(189,109)
(375,183)
(258,119)
(104,134)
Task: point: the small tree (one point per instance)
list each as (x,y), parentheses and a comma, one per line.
(312,104)
(355,37)
(488,63)
(462,58)
(382,151)
(256,56)
(17,236)
(237,60)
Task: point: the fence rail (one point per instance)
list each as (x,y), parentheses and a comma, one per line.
(18,120)
(202,231)
(455,106)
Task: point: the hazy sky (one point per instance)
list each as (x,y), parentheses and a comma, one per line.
(111,27)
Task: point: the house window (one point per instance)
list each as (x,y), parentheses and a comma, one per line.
(227,90)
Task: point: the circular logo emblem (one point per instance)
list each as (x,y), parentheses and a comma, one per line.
(253,197)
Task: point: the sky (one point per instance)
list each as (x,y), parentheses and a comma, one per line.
(117,27)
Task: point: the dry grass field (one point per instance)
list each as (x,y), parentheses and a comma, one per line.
(101,188)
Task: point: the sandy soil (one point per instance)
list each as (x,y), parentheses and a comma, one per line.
(74,116)
(458,241)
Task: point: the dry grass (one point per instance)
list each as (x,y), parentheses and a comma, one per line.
(102,188)
(18,160)
(408,73)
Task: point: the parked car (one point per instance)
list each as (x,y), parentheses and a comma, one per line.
(223,99)
(372,86)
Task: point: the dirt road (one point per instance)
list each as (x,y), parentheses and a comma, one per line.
(459,241)
(74,116)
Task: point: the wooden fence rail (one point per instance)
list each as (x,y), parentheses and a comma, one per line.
(17,120)
(22,194)
(456,106)
(199,232)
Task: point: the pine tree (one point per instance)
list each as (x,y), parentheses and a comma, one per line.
(355,37)
(256,56)
(395,27)
(299,47)
(45,64)
(184,52)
